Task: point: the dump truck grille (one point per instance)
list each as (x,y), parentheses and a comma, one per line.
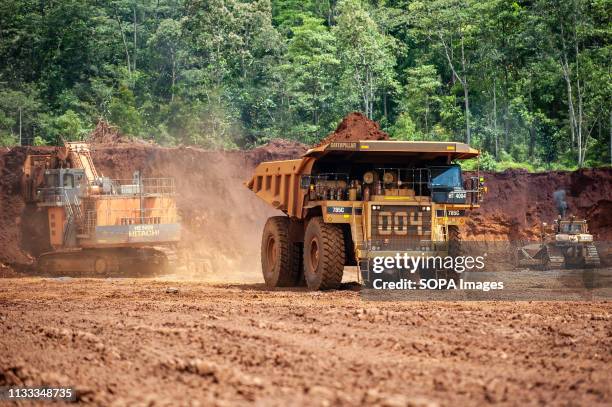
(400,228)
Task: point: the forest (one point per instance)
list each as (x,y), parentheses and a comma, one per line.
(528,82)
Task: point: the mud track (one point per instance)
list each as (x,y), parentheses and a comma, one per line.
(134,342)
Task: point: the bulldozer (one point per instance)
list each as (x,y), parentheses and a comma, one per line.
(98,226)
(568,244)
(346,203)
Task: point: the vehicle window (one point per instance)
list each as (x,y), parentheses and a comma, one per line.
(68,181)
(52,180)
(446,177)
(571,228)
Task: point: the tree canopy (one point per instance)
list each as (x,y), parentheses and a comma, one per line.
(528,82)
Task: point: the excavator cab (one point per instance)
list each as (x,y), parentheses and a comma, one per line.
(573,227)
(62,183)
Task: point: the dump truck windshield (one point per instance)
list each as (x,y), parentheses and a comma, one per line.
(571,228)
(446,177)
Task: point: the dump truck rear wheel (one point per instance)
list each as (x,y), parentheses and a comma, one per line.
(280,258)
(324,255)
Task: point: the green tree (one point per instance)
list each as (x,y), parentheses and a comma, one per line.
(20,115)
(167,49)
(421,96)
(366,54)
(310,70)
(450,24)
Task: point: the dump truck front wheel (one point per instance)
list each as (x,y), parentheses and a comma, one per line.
(280,258)
(454,241)
(324,255)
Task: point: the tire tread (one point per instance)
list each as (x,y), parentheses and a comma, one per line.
(290,253)
(332,254)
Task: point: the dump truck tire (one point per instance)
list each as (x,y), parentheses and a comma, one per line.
(454,241)
(280,258)
(298,263)
(324,255)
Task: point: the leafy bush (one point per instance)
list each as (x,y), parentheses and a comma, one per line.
(485,163)
(8,140)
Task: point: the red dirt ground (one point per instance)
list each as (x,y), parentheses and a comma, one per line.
(126,342)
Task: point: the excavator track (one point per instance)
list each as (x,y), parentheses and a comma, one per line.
(553,259)
(172,259)
(118,262)
(554,262)
(591,258)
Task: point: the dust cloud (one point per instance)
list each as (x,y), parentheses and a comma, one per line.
(222,219)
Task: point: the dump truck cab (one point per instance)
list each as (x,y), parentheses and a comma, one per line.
(348,202)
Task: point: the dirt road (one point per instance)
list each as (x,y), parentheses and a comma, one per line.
(130,342)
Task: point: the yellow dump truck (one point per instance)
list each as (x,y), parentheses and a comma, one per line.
(348,202)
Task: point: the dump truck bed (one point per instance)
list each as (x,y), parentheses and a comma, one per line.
(278,182)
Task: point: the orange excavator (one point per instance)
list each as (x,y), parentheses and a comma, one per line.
(97,225)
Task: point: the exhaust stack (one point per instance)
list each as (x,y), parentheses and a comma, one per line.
(560,202)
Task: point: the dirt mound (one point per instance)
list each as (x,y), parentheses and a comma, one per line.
(354,127)
(15,217)
(277,149)
(106,134)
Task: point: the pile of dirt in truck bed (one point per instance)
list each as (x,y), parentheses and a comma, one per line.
(223,219)
(354,127)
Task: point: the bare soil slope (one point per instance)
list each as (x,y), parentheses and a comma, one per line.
(518,202)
